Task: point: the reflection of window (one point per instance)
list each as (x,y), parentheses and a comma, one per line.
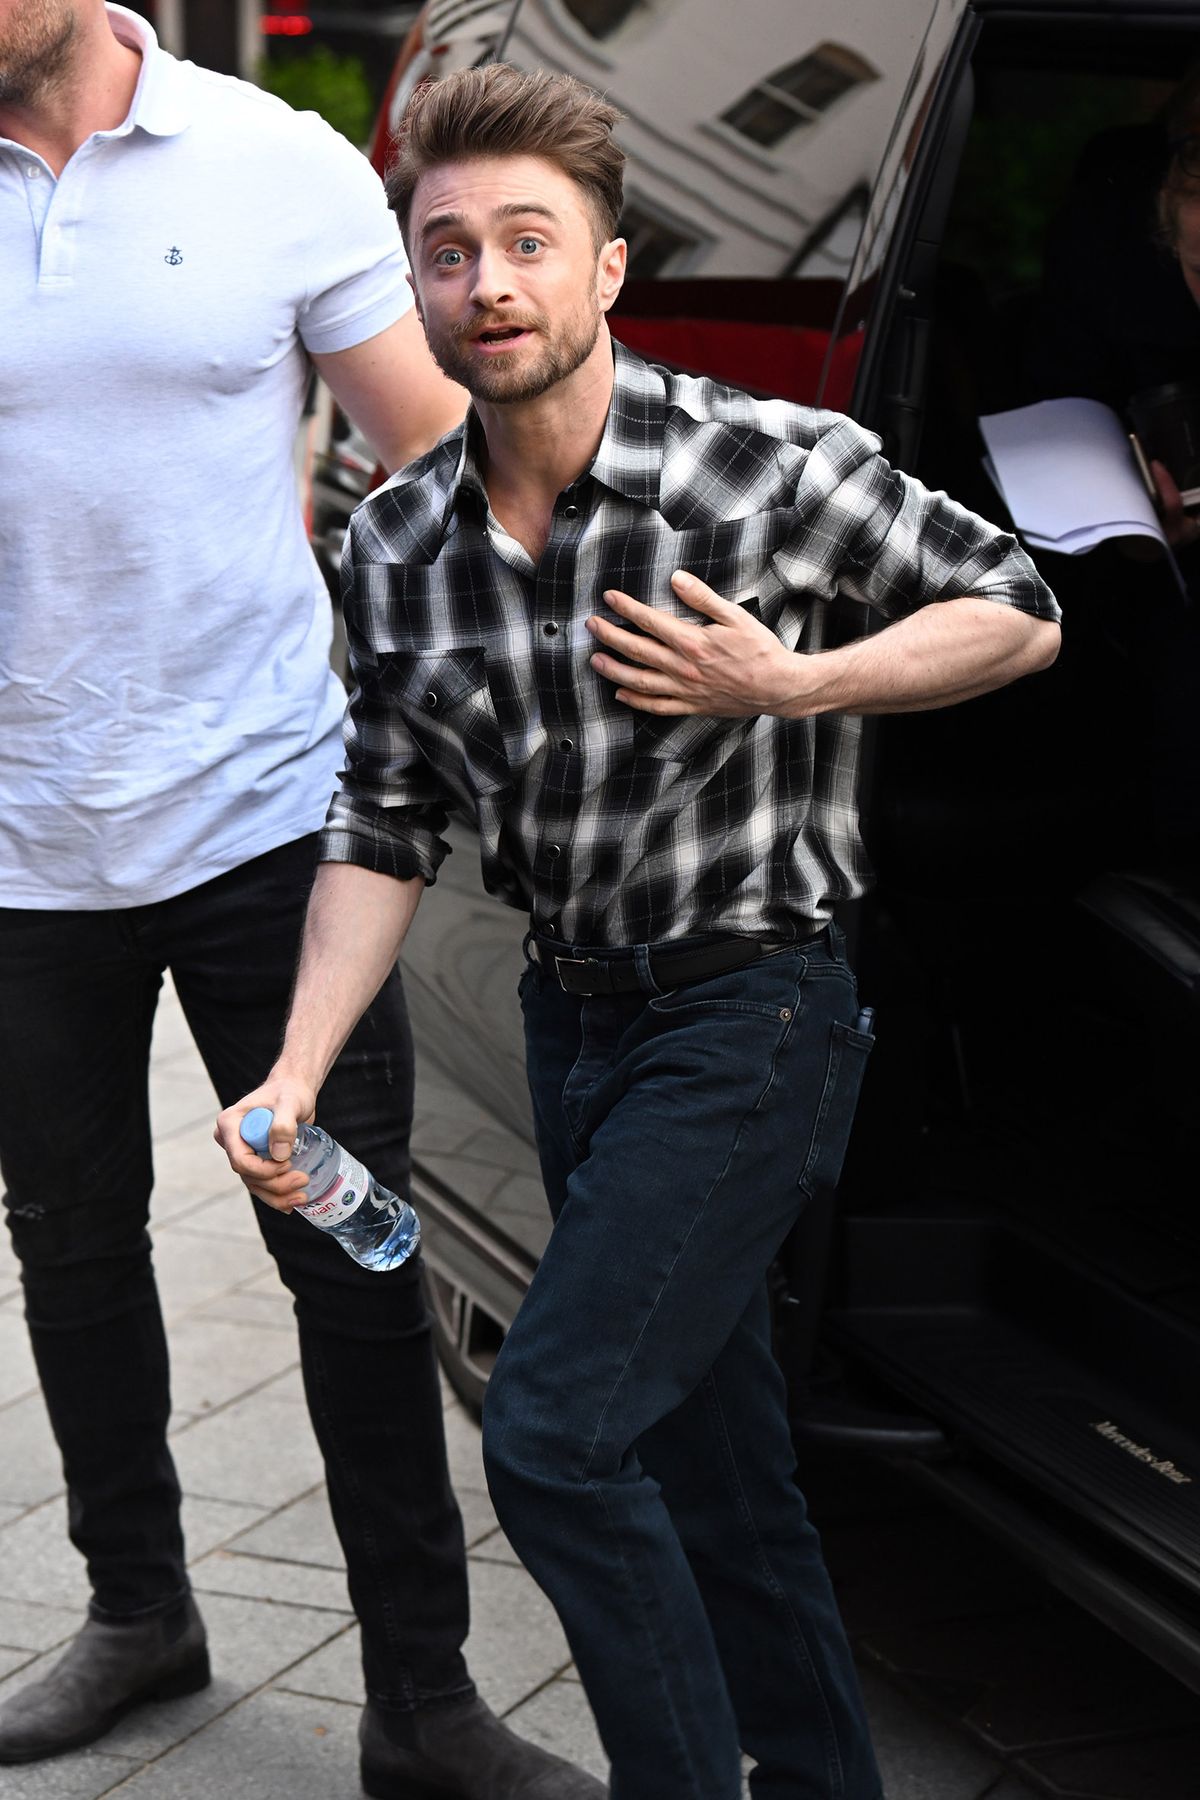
(797,94)
(600,18)
(656,246)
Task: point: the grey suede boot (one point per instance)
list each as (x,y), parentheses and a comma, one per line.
(107,1670)
(461,1751)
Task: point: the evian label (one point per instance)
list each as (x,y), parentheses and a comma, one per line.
(1162,1465)
(348,1191)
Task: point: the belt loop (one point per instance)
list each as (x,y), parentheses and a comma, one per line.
(641,962)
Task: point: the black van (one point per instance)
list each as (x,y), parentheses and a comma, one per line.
(849,202)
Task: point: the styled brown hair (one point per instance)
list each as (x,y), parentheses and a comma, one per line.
(501,111)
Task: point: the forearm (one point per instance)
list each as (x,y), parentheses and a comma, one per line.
(353,930)
(949,651)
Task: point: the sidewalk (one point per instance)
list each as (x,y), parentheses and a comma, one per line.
(280,1718)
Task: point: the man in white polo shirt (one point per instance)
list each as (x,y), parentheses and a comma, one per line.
(176,247)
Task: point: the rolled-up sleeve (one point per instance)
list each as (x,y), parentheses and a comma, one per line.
(391,808)
(885,539)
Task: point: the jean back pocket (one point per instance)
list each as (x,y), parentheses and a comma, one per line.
(844,1071)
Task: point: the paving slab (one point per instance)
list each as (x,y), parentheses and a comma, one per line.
(12,1660)
(30,1625)
(920,1756)
(559,1718)
(301,1532)
(30,1465)
(263,1578)
(228,1215)
(250,1643)
(273,1744)
(514,1648)
(263,1302)
(464,1452)
(85,1775)
(38,1563)
(213,1363)
(495,1547)
(516,1643)
(171,1034)
(192,1269)
(334,1672)
(188,1168)
(209,1523)
(18,1377)
(180,1095)
(259,1451)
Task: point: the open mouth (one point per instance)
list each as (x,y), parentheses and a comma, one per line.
(501,335)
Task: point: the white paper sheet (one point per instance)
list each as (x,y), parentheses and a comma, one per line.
(1067,474)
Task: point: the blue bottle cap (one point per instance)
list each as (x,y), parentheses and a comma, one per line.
(255,1128)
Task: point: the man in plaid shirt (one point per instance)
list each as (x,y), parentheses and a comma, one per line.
(595,621)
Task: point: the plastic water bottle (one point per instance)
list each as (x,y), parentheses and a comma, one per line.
(372,1224)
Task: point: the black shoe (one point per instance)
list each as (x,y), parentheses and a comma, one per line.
(108,1670)
(461,1751)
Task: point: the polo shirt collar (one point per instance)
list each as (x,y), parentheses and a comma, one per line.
(629,458)
(161,100)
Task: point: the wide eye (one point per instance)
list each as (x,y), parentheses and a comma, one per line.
(528,246)
(448,258)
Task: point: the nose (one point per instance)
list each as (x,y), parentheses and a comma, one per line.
(492,286)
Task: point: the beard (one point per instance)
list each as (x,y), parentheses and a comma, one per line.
(35,50)
(503,380)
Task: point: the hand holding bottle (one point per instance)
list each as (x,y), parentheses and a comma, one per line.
(272,1176)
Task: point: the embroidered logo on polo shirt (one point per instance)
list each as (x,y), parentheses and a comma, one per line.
(174,255)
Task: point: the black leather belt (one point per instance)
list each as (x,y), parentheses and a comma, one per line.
(669,967)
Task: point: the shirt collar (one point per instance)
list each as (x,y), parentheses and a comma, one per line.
(629,457)
(161,101)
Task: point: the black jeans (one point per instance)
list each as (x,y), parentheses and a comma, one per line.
(77,997)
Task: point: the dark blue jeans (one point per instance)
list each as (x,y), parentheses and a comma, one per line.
(635,1430)
(77,998)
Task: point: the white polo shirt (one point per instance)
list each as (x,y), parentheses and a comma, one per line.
(166,705)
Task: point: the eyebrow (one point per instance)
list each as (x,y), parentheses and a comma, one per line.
(513,209)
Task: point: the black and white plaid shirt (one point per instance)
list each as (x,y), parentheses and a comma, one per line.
(475,694)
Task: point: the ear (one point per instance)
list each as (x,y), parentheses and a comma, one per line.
(416,296)
(610,272)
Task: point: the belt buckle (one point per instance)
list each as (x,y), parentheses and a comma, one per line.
(562,963)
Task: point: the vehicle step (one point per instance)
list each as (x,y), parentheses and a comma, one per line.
(1087,1433)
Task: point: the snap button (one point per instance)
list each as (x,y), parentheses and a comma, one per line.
(553,851)
(566,743)
(785,1013)
(550,628)
(431,700)
(548,931)
(570,512)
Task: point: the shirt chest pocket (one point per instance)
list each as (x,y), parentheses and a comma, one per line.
(444,699)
